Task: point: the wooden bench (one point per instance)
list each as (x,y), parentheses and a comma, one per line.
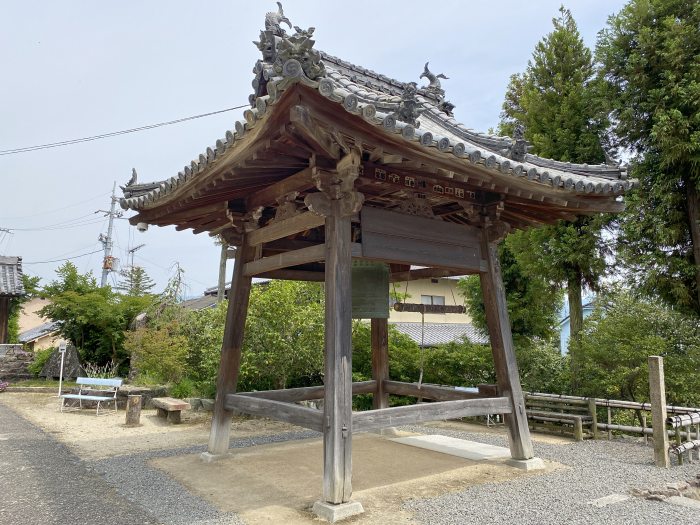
(551,414)
(94,389)
(170,408)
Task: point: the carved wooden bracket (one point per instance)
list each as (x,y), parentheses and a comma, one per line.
(251,221)
(337,186)
(287,206)
(418,207)
(496,230)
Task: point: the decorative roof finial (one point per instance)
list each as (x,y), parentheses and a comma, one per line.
(273,21)
(518,148)
(133,178)
(409,108)
(433,79)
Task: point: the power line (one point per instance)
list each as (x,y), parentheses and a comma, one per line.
(53,211)
(60,260)
(15,151)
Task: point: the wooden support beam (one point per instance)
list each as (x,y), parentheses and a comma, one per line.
(433,392)
(294,275)
(413,414)
(337,432)
(657,396)
(304,124)
(278,230)
(424,273)
(380,361)
(230,362)
(290,395)
(285,260)
(279,410)
(502,347)
(300,181)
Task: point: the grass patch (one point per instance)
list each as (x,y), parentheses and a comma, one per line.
(42,382)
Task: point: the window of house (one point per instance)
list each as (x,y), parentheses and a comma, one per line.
(432,299)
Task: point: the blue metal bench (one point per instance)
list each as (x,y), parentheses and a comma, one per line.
(94,389)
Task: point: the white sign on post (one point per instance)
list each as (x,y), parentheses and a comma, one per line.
(62,349)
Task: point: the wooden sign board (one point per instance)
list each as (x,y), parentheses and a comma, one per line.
(370,290)
(399,238)
(430,308)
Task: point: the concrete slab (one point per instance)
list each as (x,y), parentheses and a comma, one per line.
(279,482)
(456,447)
(527,464)
(333,513)
(609,500)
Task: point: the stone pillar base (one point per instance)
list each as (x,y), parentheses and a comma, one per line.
(208,457)
(332,512)
(527,464)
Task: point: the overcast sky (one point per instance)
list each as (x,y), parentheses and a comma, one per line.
(74,69)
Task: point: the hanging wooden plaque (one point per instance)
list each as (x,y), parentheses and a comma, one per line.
(370,290)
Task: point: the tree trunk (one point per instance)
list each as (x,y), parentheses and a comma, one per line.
(575,324)
(694,223)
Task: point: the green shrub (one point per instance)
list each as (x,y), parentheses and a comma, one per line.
(40,359)
(183,388)
(160,352)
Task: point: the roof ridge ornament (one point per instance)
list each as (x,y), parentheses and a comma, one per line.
(409,108)
(519,146)
(433,79)
(434,88)
(273,21)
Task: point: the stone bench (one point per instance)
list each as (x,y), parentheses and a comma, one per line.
(170,408)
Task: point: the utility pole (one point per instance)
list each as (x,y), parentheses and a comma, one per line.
(108,261)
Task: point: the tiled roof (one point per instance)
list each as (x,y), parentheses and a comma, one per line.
(39,331)
(11,276)
(441,333)
(379,100)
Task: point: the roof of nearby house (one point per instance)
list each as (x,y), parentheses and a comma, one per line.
(416,120)
(441,333)
(199,303)
(11,276)
(40,331)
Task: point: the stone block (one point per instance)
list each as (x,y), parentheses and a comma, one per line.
(336,512)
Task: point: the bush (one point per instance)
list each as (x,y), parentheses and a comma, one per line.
(620,335)
(159,353)
(182,389)
(40,359)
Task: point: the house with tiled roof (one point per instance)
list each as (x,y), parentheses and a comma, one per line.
(10,286)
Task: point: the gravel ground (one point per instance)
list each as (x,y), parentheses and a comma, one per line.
(42,482)
(597,469)
(128,490)
(152,489)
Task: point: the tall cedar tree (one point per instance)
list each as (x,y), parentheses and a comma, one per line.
(135,282)
(555,99)
(649,54)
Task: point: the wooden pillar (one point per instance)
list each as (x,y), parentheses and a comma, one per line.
(133,411)
(4,319)
(657,395)
(380,361)
(337,433)
(230,362)
(502,342)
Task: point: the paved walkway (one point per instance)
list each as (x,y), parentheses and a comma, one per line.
(42,482)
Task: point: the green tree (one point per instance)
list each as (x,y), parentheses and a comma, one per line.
(532,301)
(31,289)
(135,281)
(622,332)
(94,319)
(649,63)
(558,103)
